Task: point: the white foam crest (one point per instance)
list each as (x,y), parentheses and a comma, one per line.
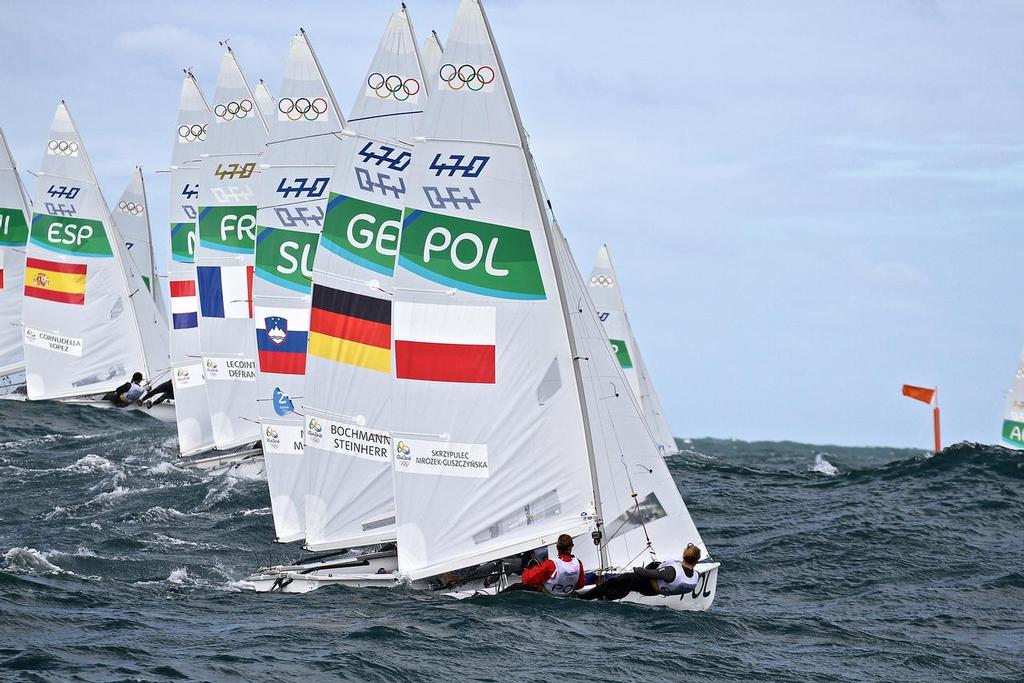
(117,493)
(178,576)
(257,511)
(164,467)
(159,514)
(29,560)
(823,466)
(91,463)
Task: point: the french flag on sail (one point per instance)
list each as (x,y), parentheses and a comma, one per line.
(225,291)
(184,305)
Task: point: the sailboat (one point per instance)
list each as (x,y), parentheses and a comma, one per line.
(510,418)
(294,181)
(225,254)
(15,210)
(131,216)
(349,497)
(607,297)
(89,321)
(1013,414)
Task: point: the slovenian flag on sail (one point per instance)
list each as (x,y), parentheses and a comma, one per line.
(281,338)
(350,328)
(55,281)
(225,291)
(444,343)
(184,305)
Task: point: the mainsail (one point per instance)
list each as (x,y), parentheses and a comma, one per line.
(348,373)
(491,446)
(294,181)
(195,430)
(607,297)
(84,305)
(643,514)
(131,215)
(14,216)
(1013,413)
(265,101)
(431,54)
(225,254)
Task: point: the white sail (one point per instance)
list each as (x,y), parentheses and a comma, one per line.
(431,53)
(265,101)
(491,454)
(1013,413)
(627,458)
(348,374)
(14,224)
(81,335)
(607,297)
(192,407)
(294,182)
(225,254)
(131,214)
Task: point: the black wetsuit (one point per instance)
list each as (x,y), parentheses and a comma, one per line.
(640,580)
(164,389)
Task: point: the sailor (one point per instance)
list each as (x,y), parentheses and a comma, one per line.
(163,391)
(128,393)
(558,576)
(658,578)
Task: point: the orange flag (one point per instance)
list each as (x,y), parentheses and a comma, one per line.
(920,393)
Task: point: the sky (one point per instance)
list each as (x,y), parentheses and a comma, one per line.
(807,203)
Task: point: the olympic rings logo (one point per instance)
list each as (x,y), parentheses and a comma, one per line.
(227,112)
(131,207)
(193,133)
(301,108)
(62,147)
(392,86)
(466,76)
(602,280)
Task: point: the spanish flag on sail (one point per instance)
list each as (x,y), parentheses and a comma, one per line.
(55,281)
(350,328)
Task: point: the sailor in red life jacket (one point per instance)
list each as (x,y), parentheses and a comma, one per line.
(558,576)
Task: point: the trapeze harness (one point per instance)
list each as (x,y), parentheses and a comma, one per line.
(567,574)
(679,585)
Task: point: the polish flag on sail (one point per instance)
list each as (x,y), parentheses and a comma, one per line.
(922,394)
(225,291)
(443,343)
(184,305)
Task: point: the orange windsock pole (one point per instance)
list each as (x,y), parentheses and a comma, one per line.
(928,396)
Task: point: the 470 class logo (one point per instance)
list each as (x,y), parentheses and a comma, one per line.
(467,77)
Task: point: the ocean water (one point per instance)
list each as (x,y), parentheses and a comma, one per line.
(838,564)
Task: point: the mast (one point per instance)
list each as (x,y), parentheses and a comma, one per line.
(320,70)
(534,178)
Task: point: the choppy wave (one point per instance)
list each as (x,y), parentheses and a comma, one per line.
(837,564)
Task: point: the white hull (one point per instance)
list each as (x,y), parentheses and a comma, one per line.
(162,411)
(382,572)
(247,463)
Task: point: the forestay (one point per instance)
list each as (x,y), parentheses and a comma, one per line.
(294,183)
(1013,413)
(195,429)
(627,459)
(349,370)
(14,223)
(491,452)
(225,255)
(607,297)
(81,334)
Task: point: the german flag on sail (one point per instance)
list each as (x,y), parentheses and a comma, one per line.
(350,328)
(55,281)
